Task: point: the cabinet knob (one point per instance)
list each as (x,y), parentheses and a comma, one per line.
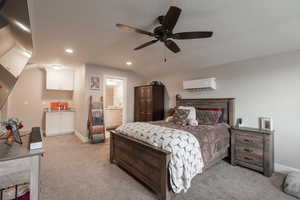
(247,158)
(248,150)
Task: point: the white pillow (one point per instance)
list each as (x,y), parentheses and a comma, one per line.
(193,122)
(192,115)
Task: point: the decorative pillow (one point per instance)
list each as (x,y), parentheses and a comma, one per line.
(180,116)
(291,184)
(192,110)
(208,117)
(215,109)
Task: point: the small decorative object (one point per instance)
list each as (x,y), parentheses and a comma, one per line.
(94,83)
(266,123)
(13,125)
(239,121)
(156,83)
(178,96)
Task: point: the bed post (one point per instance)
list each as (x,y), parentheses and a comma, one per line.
(231,112)
(164,186)
(111,153)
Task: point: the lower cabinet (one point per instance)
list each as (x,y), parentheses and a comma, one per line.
(59,123)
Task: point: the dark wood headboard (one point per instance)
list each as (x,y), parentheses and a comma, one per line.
(227,104)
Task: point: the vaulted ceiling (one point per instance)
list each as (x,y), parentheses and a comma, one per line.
(243,29)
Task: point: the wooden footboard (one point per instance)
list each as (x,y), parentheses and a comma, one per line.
(145,162)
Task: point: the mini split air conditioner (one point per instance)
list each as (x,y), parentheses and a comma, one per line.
(209,83)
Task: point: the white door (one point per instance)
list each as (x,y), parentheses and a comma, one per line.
(67,80)
(53,123)
(67,122)
(60,79)
(52,80)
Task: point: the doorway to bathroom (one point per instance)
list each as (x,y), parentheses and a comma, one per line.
(114,101)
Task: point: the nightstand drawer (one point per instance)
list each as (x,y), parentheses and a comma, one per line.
(247,149)
(250,140)
(250,156)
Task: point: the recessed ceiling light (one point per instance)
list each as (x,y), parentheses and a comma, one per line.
(70,51)
(56,66)
(128,63)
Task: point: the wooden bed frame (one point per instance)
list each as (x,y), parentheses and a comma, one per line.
(149,164)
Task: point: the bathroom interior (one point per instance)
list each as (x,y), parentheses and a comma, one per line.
(113,102)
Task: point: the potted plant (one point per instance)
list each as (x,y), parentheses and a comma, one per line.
(12,126)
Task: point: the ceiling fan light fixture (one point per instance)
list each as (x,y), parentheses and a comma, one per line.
(128,63)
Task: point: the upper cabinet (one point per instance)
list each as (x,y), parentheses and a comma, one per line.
(62,79)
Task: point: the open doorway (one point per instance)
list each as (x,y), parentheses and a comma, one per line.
(114,101)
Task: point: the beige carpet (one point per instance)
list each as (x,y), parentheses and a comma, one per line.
(75,171)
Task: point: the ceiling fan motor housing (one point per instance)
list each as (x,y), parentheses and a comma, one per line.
(161,33)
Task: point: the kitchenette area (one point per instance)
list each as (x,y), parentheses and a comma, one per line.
(59,114)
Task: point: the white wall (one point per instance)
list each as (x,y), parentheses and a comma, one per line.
(78,98)
(29,98)
(3,112)
(132,80)
(266,86)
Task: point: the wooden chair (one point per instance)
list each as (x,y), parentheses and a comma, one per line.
(96,120)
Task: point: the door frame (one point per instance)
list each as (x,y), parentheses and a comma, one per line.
(124,79)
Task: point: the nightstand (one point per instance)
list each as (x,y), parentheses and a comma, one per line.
(253,148)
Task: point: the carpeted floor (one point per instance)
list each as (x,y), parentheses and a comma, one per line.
(75,171)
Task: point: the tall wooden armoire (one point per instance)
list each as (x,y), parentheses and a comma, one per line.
(149,103)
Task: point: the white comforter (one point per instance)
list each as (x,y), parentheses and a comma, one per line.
(186,160)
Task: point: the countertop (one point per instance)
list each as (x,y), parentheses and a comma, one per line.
(55,111)
(16,150)
(113,108)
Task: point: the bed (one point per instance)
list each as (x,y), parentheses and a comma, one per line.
(149,164)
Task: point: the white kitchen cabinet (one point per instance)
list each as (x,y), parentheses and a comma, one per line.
(60,79)
(60,123)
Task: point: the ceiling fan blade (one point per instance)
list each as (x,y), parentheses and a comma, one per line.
(137,30)
(172,46)
(146,44)
(192,35)
(171,18)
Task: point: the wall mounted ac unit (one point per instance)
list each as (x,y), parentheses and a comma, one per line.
(209,83)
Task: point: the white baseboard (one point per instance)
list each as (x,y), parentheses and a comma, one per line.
(84,139)
(285,169)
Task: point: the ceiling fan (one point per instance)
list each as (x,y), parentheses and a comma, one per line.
(164,32)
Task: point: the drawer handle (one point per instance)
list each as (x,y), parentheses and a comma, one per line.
(246,158)
(248,150)
(246,140)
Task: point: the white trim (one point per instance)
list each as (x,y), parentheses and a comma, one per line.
(84,139)
(284,169)
(124,79)
(59,133)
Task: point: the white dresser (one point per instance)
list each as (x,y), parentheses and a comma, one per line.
(60,122)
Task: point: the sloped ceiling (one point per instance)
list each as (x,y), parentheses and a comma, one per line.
(243,29)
